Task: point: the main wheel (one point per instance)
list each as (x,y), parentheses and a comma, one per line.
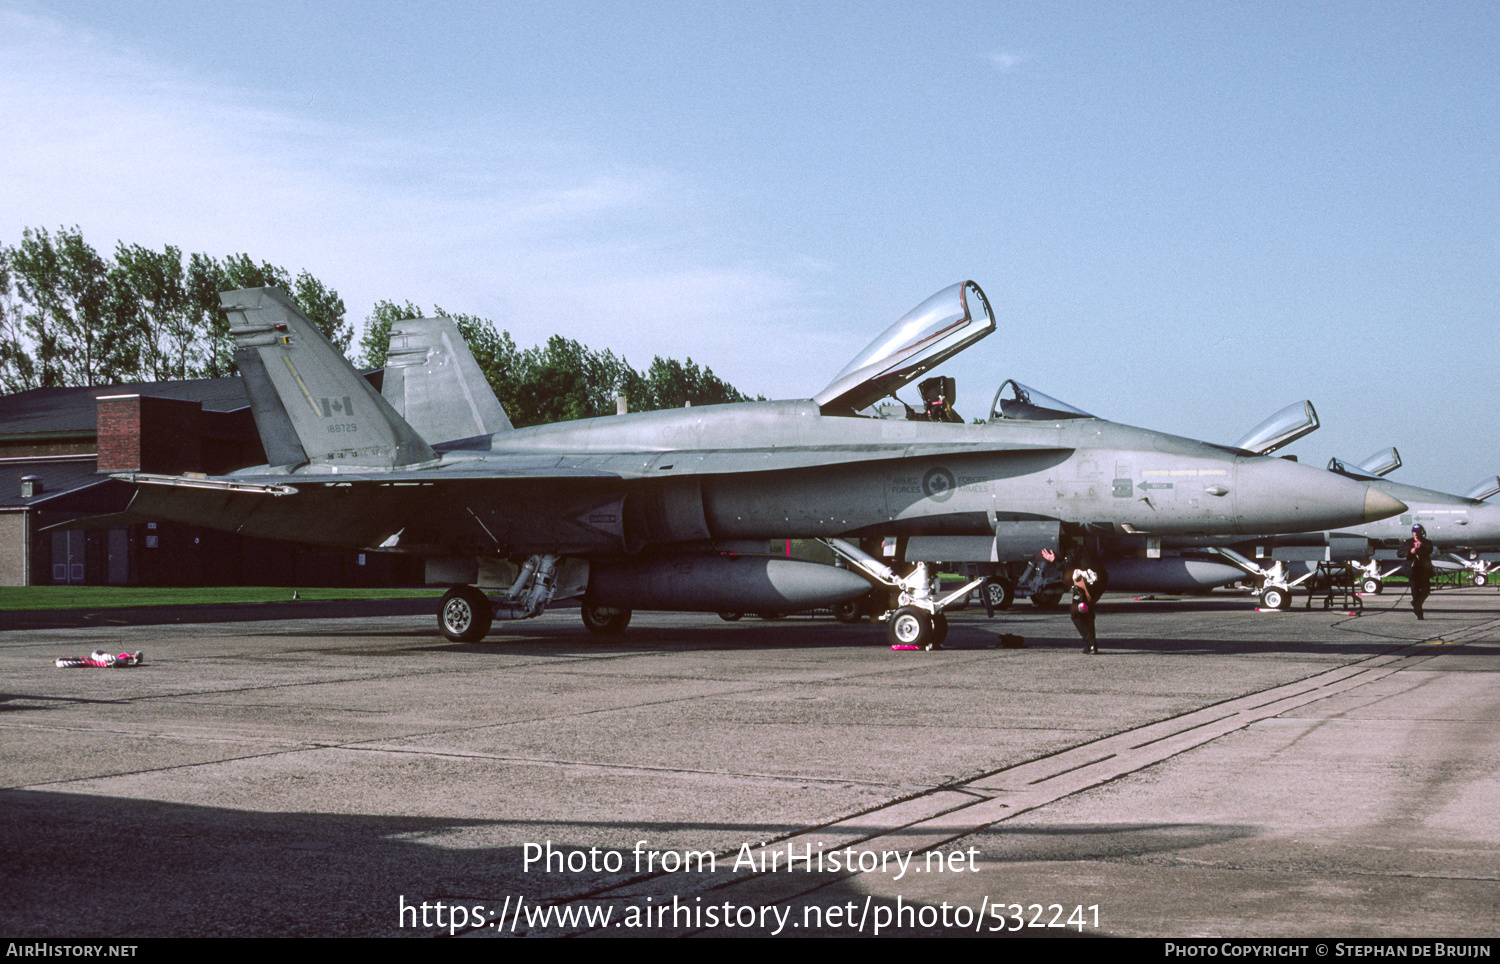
(939,631)
(731,617)
(1273,597)
(1480,579)
(465,614)
(1371,586)
(1046,600)
(852,611)
(999,592)
(909,626)
(604,620)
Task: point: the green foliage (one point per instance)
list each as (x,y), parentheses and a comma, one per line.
(97,597)
(672,384)
(560,380)
(17,370)
(377,336)
(71,317)
(64,284)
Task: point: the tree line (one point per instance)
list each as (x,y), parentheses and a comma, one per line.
(70,316)
(561,379)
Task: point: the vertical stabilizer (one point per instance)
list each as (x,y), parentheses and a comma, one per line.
(433,381)
(309,403)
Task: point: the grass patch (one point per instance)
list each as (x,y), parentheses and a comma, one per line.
(106,597)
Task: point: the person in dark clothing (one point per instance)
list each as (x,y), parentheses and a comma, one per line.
(1089,582)
(1418,556)
(1084,598)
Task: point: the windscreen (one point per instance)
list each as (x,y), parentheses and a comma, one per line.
(1020,403)
(1352,470)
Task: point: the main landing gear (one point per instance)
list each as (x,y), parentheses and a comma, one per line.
(999,593)
(465,614)
(605,620)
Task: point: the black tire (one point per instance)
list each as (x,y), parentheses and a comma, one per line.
(604,620)
(731,617)
(852,611)
(939,631)
(1481,579)
(1001,593)
(909,626)
(1371,586)
(1273,597)
(1046,600)
(465,614)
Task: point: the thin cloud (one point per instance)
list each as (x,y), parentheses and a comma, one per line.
(1006,62)
(531,230)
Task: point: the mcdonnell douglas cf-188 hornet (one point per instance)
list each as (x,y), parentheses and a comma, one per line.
(653,510)
(1456,524)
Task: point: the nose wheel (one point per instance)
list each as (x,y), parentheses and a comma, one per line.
(1274,597)
(911,626)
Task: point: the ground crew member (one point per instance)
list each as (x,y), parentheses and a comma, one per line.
(1084,598)
(1418,555)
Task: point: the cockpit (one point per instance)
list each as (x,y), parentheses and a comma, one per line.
(923,338)
(1018,403)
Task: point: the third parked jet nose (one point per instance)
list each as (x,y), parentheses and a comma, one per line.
(1379,505)
(1278,495)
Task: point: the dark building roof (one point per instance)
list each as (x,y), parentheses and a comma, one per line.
(57,475)
(50,410)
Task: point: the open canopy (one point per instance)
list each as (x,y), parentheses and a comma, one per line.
(1283,428)
(923,338)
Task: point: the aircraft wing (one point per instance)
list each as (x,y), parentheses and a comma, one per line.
(567,503)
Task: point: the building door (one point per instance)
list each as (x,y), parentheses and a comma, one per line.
(67,558)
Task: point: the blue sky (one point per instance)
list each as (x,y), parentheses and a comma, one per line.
(1186,215)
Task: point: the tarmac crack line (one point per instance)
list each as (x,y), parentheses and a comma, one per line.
(627,768)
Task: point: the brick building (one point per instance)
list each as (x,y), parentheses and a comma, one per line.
(57,448)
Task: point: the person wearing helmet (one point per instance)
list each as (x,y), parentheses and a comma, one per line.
(1085,595)
(1418,556)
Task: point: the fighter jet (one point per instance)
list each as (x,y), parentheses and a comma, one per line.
(656,510)
(1131,561)
(1462,526)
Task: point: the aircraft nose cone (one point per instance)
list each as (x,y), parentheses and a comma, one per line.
(1379,505)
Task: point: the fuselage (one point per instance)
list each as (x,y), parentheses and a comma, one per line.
(776,469)
(1451,521)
